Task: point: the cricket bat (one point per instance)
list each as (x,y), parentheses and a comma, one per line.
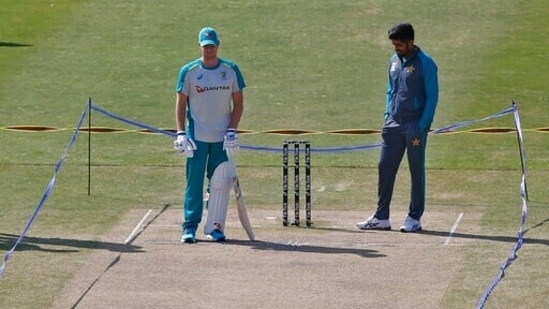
(241,207)
(240,204)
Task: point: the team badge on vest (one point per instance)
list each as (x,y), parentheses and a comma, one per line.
(410,69)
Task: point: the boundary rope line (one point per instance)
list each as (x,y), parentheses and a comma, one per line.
(450,128)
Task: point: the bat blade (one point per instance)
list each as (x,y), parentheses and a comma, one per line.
(242,212)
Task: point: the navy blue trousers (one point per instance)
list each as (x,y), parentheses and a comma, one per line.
(399,138)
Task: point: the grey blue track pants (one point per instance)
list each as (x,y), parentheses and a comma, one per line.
(397,139)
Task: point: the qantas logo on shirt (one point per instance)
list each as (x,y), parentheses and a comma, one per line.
(214,88)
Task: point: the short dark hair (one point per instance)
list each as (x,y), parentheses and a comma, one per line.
(403,32)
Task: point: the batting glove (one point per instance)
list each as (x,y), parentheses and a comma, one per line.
(230,142)
(184,144)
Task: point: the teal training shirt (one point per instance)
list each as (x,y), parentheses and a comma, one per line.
(209,96)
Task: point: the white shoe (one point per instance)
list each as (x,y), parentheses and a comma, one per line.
(410,225)
(374,223)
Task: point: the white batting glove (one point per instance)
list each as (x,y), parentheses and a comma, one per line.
(230,142)
(184,144)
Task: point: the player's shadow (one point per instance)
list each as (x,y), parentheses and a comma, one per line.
(537,241)
(304,248)
(12,44)
(7,241)
(337,229)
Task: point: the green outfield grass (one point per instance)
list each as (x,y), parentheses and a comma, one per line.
(310,65)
